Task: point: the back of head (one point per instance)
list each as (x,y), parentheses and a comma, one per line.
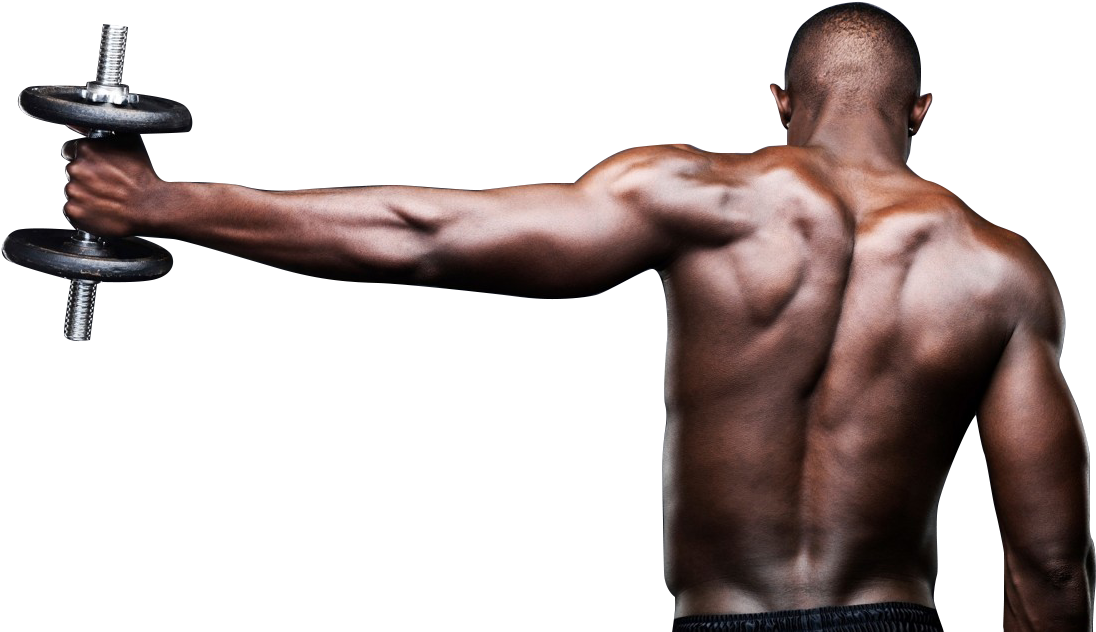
(854,57)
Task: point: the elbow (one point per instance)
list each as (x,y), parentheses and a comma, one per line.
(1058,570)
(413,256)
(1066,575)
(1051,590)
(400,255)
(1090,568)
(401,248)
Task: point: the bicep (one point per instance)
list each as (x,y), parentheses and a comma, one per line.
(1036,453)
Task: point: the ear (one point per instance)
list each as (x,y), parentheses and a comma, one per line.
(783,104)
(917,114)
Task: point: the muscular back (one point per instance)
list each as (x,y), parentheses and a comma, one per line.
(824,363)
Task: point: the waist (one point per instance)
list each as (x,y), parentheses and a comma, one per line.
(726,597)
(862,617)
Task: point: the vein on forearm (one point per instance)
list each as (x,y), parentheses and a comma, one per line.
(359,233)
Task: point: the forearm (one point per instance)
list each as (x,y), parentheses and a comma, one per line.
(1052,596)
(361,234)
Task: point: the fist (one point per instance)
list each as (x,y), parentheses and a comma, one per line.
(112,186)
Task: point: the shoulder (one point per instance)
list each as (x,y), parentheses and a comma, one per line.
(643,166)
(1024,285)
(686,191)
(1012,279)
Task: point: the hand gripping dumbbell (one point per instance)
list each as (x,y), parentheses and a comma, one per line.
(105,106)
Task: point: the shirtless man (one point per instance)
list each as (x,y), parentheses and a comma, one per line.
(835,323)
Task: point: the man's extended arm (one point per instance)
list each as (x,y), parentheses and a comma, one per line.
(632,212)
(1038,465)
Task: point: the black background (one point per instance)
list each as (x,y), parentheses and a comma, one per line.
(242,444)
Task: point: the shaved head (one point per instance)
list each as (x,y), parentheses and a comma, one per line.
(855,57)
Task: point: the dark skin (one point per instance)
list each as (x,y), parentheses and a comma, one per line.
(835,324)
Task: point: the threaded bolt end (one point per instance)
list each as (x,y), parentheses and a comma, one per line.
(112,53)
(81,309)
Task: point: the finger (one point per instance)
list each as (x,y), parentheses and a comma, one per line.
(68,150)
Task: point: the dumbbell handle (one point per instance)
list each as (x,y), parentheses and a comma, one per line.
(80,309)
(83,235)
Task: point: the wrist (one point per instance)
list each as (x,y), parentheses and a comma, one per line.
(165,203)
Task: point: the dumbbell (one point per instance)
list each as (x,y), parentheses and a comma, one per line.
(105,106)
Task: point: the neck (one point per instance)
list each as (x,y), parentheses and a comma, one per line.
(867,139)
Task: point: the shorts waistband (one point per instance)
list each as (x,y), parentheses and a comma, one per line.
(888,616)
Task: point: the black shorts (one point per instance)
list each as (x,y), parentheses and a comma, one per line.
(891,616)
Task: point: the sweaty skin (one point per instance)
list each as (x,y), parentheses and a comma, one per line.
(835,323)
